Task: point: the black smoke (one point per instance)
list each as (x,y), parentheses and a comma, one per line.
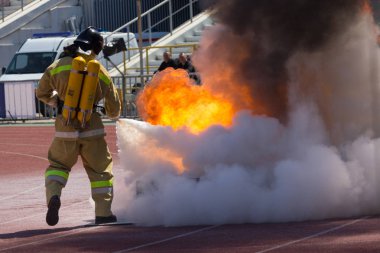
(273,30)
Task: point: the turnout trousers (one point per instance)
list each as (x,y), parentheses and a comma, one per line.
(97,161)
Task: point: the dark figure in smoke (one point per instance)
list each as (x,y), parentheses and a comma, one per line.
(269,32)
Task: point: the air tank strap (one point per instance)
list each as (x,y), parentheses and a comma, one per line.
(61,105)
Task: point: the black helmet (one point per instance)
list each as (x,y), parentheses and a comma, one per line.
(90,39)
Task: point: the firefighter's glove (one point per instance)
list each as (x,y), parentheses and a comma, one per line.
(53,101)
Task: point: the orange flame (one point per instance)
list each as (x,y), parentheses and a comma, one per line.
(171,99)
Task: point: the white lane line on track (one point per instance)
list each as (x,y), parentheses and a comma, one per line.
(51,238)
(167,239)
(314,235)
(39,214)
(20,193)
(21,154)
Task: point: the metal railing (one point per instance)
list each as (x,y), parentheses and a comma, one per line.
(132,88)
(7,3)
(127,55)
(150,25)
(125,78)
(128,104)
(148,15)
(43,111)
(146,50)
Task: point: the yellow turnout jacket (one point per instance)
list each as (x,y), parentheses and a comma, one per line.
(56,78)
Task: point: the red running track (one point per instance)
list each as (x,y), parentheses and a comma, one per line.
(23,152)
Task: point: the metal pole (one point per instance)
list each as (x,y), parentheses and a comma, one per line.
(129,44)
(22,5)
(147,60)
(124,86)
(125,64)
(139,27)
(150,29)
(191,10)
(2,12)
(171,17)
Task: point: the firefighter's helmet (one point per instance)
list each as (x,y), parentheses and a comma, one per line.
(90,39)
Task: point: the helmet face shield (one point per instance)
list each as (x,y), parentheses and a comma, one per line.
(84,46)
(90,39)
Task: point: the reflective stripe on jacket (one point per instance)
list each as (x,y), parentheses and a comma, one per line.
(77,134)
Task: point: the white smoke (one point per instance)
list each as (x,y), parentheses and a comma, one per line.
(321,164)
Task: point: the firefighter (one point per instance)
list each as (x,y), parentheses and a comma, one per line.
(73,139)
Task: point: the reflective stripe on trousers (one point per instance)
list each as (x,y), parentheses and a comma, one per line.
(57,175)
(77,134)
(99,187)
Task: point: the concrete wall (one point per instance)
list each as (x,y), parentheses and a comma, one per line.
(50,20)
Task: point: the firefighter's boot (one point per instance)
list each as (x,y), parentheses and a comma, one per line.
(102,220)
(52,216)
